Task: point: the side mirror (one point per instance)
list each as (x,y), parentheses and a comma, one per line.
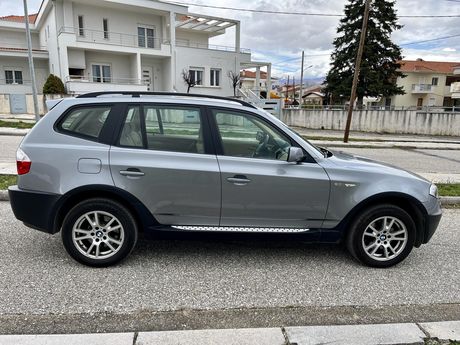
(295,154)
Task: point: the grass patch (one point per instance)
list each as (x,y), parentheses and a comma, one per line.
(16,124)
(449,189)
(7,180)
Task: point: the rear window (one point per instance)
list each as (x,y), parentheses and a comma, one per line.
(85,121)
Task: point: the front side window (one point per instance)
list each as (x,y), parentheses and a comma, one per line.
(215,77)
(105,27)
(102,73)
(85,121)
(174,129)
(245,135)
(13,77)
(196,75)
(146,37)
(434,81)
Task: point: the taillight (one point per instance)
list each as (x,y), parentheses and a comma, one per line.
(23,162)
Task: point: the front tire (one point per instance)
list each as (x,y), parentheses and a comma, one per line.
(99,232)
(382,236)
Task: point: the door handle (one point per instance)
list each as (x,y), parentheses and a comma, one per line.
(132,172)
(238,180)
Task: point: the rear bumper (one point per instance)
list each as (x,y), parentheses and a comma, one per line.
(35,209)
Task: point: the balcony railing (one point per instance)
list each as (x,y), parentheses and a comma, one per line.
(422,88)
(106,80)
(455,87)
(114,38)
(23,82)
(8,46)
(188,44)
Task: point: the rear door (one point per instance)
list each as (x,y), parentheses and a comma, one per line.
(164,156)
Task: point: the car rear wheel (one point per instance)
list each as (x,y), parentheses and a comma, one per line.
(382,236)
(99,232)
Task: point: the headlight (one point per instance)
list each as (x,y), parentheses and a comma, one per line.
(434,191)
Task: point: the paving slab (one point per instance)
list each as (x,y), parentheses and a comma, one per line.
(449,330)
(69,339)
(388,334)
(249,336)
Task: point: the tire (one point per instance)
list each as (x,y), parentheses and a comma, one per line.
(377,245)
(102,242)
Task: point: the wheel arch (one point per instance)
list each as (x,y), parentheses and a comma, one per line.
(141,214)
(406,202)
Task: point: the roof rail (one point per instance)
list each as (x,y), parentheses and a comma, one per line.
(149,93)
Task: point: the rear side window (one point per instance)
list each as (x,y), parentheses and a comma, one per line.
(85,121)
(163,128)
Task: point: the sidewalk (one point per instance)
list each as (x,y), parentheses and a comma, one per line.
(390,334)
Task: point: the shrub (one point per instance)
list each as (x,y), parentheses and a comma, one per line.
(53,85)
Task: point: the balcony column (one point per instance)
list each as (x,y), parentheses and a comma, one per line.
(269,79)
(139,67)
(257,88)
(172,35)
(237,47)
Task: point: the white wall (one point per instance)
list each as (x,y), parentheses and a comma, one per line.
(207,59)
(396,121)
(120,21)
(22,64)
(120,64)
(9,38)
(192,37)
(48,38)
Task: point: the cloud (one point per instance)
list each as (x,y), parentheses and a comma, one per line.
(449,49)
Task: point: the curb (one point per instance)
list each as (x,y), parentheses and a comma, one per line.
(396,333)
(18,132)
(445,200)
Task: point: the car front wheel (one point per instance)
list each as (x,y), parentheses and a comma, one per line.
(99,232)
(382,236)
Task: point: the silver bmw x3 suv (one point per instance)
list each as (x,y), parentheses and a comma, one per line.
(102,167)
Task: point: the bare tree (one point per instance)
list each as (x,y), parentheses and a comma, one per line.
(189,79)
(235,79)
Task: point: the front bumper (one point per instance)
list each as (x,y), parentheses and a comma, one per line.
(35,209)
(432,218)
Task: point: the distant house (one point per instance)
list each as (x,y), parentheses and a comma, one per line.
(249,81)
(313,95)
(428,83)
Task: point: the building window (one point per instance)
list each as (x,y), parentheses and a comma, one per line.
(215,77)
(105,26)
(196,75)
(13,77)
(434,81)
(102,73)
(81,29)
(146,37)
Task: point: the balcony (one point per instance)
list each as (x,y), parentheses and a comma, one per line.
(455,89)
(20,50)
(422,88)
(188,44)
(149,44)
(79,84)
(457,70)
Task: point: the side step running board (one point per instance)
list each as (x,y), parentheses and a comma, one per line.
(237,229)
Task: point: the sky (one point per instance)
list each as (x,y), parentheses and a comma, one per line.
(280,38)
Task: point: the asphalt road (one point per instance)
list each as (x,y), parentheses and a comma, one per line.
(179,284)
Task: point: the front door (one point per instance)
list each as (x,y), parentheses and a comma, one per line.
(147,77)
(166,164)
(259,187)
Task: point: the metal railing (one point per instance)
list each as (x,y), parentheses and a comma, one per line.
(344,107)
(8,46)
(114,38)
(23,82)
(455,87)
(92,79)
(422,87)
(188,44)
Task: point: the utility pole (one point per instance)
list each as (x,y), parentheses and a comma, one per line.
(293,91)
(31,62)
(301,79)
(287,89)
(359,57)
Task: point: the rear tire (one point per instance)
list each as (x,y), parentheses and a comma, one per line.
(99,232)
(381,236)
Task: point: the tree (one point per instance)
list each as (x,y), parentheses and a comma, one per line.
(379,67)
(53,86)
(235,80)
(189,79)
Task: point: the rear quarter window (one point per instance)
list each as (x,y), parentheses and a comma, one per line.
(85,121)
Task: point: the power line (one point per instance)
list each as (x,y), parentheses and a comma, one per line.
(430,40)
(305,13)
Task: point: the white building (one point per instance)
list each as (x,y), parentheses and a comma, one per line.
(100,45)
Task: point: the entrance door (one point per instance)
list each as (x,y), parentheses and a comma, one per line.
(419,102)
(147,77)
